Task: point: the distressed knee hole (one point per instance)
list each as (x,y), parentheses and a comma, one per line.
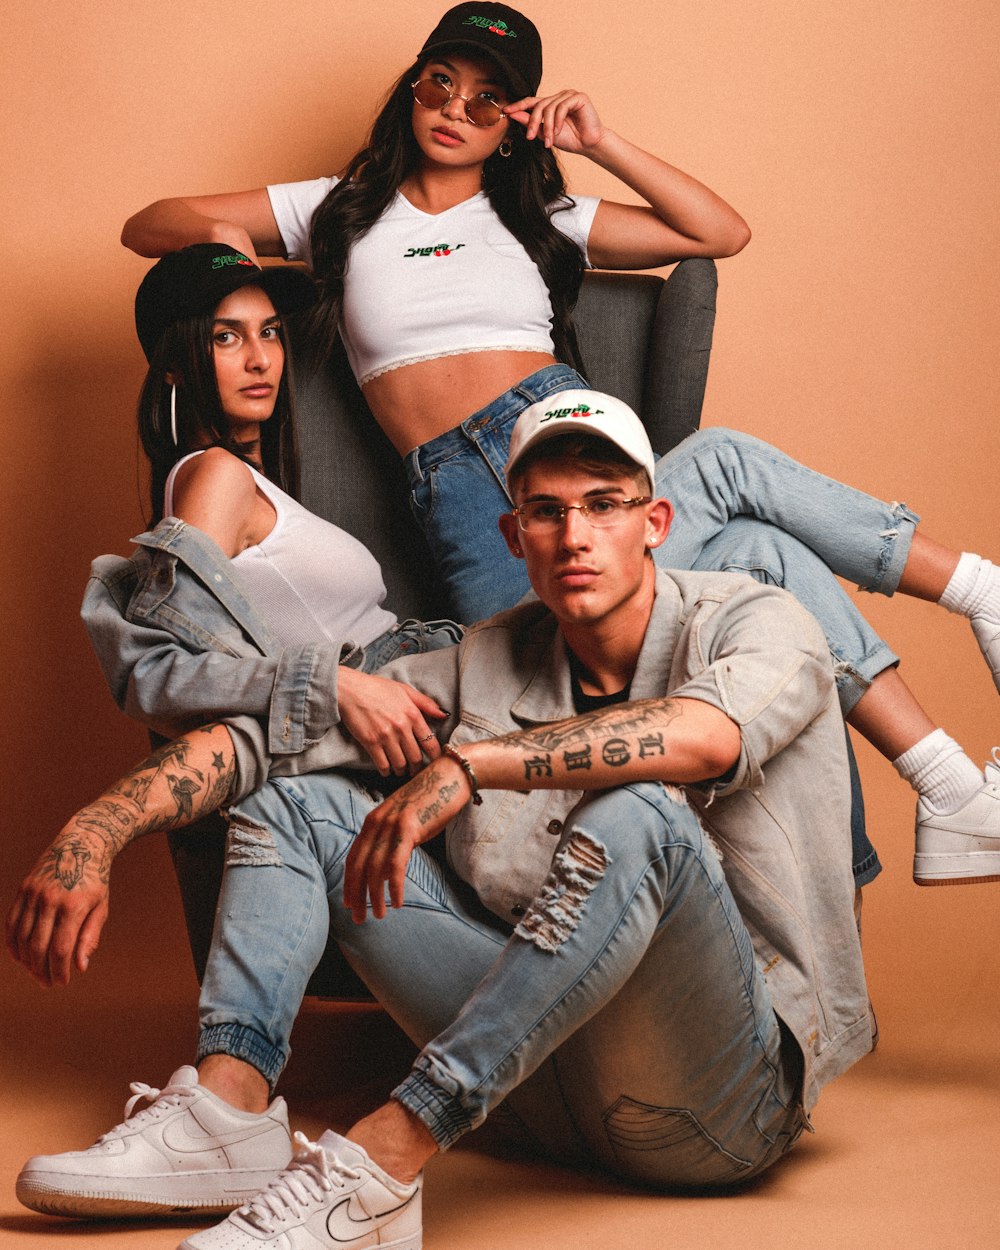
(250,845)
(554,914)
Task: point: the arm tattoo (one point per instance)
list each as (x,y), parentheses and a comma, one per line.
(615,752)
(136,784)
(577,759)
(444,795)
(651,744)
(613,736)
(537,766)
(69,859)
(609,722)
(129,810)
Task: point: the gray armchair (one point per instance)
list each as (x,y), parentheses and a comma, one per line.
(643,338)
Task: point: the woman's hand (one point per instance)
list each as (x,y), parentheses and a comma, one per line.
(566,120)
(414,814)
(57,917)
(388,719)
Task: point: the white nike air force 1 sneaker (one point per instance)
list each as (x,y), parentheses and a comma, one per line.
(963,847)
(987,632)
(331,1195)
(187,1151)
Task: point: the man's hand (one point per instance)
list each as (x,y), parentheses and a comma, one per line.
(57,917)
(62,905)
(387,718)
(416,813)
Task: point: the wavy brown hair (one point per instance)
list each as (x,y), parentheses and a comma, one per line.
(525,189)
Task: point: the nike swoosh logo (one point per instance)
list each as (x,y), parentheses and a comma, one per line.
(177,1137)
(341,1225)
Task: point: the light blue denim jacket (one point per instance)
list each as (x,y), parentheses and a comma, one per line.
(780,822)
(180,645)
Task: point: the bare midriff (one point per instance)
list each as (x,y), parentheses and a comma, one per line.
(415,403)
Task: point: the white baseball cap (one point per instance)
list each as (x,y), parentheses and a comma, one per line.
(582,412)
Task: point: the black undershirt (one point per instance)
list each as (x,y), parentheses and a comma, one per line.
(583,702)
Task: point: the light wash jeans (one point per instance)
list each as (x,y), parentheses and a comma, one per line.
(625,1017)
(458,493)
(712,478)
(408,637)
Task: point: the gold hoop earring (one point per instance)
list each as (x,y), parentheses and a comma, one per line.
(505,148)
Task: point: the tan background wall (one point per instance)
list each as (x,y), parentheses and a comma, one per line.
(858,331)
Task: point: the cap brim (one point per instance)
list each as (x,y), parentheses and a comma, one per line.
(290,289)
(513,76)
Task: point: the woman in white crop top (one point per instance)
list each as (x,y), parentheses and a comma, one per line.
(450,257)
(217,422)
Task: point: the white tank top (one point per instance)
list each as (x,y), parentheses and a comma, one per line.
(307,580)
(423,285)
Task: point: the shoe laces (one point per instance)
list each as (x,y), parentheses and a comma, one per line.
(992,770)
(160,1100)
(307,1180)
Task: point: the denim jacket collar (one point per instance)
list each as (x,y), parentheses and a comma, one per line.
(172,540)
(548,696)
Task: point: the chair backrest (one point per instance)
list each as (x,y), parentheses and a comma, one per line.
(645,339)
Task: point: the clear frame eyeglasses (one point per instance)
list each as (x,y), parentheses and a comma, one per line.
(543,516)
(480,110)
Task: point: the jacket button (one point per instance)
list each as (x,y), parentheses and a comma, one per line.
(554,827)
(517,910)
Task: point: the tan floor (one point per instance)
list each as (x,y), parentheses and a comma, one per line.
(902,1158)
(906,1154)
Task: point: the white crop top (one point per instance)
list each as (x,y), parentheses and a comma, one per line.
(423,285)
(307,580)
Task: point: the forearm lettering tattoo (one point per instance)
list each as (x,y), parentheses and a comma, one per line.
(651,744)
(615,752)
(537,766)
(426,793)
(620,734)
(444,795)
(577,759)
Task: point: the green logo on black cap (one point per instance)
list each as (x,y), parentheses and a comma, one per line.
(495,27)
(220,262)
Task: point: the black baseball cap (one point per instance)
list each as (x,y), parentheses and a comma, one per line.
(501,32)
(198,278)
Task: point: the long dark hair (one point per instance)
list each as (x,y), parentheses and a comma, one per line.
(521,189)
(185,352)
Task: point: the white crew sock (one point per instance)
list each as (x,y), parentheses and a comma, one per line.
(940,772)
(974,589)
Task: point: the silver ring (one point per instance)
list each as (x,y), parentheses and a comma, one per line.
(427,737)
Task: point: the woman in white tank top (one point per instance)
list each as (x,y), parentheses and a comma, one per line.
(216,420)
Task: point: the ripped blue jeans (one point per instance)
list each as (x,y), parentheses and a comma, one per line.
(624,1021)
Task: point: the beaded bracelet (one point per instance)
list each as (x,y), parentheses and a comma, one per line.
(454,754)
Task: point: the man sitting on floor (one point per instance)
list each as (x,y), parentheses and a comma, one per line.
(643,941)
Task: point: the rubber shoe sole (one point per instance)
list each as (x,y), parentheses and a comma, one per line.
(968,869)
(169,1195)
